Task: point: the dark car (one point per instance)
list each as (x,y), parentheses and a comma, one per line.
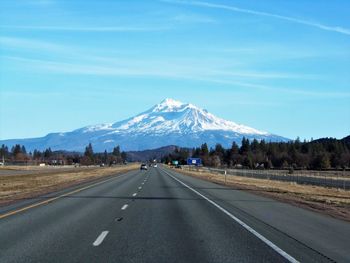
(143,167)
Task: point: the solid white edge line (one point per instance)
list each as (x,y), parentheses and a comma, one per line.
(251,230)
(100,238)
(125,207)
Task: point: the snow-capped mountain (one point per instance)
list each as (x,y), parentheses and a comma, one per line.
(170,122)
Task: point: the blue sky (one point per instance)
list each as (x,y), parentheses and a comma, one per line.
(278,66)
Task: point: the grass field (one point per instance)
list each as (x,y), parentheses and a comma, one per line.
(17,183)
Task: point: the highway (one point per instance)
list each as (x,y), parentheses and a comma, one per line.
(161,215)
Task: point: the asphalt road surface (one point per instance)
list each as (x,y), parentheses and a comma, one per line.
(160,215)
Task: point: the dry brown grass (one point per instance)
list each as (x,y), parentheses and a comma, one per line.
(14,187)
(334,202)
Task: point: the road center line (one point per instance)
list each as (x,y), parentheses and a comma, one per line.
(251,230)
(125,207)
(140,188)
(134,194)
(100,238)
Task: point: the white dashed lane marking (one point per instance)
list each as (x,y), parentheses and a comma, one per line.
(100,238)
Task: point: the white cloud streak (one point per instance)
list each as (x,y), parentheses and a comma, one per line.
(172,68)
(86,63)
(336,29)
(23,43)
(193,18)
(87,29)
(163,70)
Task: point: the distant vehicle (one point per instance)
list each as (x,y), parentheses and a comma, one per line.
(155,165)
(143,167)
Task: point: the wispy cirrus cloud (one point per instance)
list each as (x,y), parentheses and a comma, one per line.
(263,75)
(32,44)
(159,69)
(89,28)
(291,91)
(337,29)
(172,68)
(90,62)
(193,18)
(41,2)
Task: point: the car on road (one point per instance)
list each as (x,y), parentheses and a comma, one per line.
(143,166)
(155,165)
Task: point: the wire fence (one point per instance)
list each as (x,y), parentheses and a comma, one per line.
(332,179)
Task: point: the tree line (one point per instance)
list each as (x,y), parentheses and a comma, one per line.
(19,155)
(327,153)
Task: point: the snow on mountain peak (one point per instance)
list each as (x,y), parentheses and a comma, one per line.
(171,102)
(168,105)
(174,116)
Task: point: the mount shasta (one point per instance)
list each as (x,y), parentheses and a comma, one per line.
(170,122)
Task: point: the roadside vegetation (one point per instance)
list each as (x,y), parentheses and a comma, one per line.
(321,154)
(17,184)
(19,155)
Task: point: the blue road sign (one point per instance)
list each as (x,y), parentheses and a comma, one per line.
(194,161)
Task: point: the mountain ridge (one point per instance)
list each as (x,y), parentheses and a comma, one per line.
(170,122)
